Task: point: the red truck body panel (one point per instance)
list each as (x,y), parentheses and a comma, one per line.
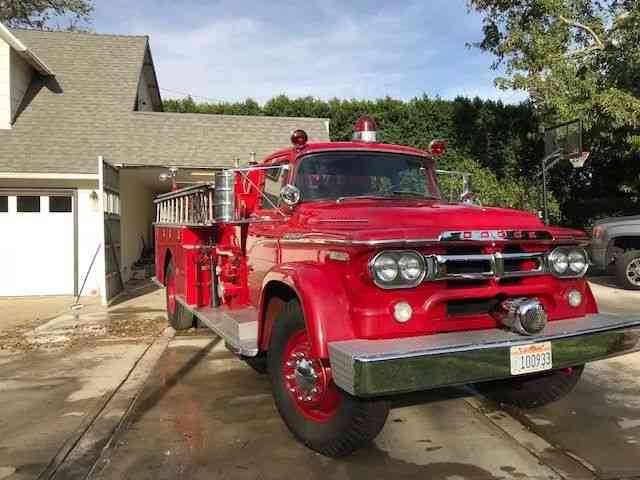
(339,300)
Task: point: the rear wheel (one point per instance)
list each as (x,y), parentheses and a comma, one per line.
(628,270)
(533,390)
(323,417)
(179,317)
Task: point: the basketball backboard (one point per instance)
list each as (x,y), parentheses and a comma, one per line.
(565,140)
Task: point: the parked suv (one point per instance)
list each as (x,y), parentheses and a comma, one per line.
(616,247)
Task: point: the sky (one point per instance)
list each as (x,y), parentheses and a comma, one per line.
(230,50)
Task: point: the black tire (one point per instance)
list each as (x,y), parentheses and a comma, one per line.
(180,319)
(258,364)
(533,390)
(623,263)
(356,422)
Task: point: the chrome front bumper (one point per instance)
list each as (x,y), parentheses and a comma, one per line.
(370,368)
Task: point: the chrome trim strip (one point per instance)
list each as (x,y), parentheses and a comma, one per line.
(384,367)
(495,235)
(367,243)
(399,242)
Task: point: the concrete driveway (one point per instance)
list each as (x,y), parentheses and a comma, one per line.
(20,312)
(66,383)
(204,414)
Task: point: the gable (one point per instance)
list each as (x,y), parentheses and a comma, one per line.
(15,77)
(89,109)
(92,71)
(21,74)
(148,98)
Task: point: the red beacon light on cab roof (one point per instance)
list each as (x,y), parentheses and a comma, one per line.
(437,146)
(299,138)
(365,130)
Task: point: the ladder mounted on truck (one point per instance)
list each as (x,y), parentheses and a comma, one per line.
(189,206)
(206,204)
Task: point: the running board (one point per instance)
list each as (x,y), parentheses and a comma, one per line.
(238,328)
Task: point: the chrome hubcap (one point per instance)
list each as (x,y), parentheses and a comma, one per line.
(633,271)
(304,379)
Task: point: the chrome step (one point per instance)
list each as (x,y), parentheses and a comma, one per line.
(238,328)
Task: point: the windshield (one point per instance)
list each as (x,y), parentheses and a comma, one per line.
(344,175)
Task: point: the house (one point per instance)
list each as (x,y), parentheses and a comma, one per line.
(83,140)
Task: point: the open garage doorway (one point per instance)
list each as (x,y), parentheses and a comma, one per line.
(138,188)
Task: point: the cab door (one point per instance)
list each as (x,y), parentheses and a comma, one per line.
(269,223)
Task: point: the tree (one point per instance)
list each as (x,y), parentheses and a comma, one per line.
(577,59)
(488,139)
(37,14)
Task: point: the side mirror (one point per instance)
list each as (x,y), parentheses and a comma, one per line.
(467,195)
(290,195)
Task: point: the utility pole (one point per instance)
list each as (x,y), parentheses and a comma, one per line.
(547,163)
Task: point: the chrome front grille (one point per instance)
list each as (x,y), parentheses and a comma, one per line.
(483,266)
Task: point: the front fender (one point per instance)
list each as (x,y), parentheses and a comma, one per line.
(324,301)
(614,233)
(622,230)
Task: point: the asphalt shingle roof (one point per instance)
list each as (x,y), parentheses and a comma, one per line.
(88,111)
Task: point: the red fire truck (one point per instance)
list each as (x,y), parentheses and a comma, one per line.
(337,269)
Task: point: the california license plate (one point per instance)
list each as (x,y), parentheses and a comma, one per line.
(535,357)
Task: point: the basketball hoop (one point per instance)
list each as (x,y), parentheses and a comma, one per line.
(578,161)
(561,142)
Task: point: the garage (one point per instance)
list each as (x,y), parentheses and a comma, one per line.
(83,140)
(38,242)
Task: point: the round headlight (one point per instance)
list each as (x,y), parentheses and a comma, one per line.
(559,261)
(577,261)
(386,268)
(411,267)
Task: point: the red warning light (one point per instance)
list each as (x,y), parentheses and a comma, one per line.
(299,138)
(365,130)
(437,147)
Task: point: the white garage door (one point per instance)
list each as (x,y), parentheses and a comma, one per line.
(36,244)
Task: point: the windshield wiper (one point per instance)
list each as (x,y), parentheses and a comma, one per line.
(409,193)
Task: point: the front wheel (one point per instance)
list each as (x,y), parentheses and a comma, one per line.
(628,270)
(533,390)
(316,411)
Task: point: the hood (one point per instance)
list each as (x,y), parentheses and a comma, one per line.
(385,219)
(618,220)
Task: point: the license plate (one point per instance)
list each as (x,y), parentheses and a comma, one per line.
(535,357)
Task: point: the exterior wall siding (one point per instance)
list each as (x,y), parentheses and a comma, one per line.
(89,238)
(21,74)
(5,86)
(145,104)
